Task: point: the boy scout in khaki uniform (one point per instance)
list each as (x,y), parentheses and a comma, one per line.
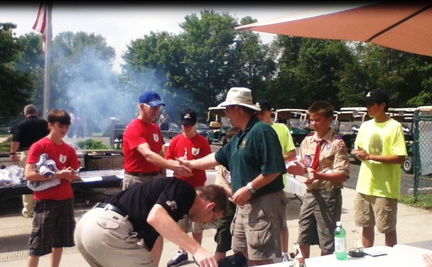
(324,160)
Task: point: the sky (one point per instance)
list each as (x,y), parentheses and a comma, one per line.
(121,24)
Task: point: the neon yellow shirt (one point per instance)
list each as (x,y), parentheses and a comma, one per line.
(377,178)
(285,140)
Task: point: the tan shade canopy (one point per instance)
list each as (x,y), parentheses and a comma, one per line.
(406,27)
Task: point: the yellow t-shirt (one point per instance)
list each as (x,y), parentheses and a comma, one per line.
(285,140)
(377,178)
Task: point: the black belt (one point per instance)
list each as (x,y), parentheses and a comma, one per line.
(142,173)
(108,206)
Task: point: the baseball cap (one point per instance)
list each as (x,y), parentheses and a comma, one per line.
(265,105)
(188,117)
(151,98)
(377,96)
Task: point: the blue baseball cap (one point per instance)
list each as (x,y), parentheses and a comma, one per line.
(151,98)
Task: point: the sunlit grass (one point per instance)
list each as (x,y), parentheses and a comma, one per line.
(423,201)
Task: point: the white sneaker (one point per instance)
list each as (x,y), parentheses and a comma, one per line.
(285,257)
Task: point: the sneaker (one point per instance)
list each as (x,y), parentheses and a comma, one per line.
(180,258)
(285,257)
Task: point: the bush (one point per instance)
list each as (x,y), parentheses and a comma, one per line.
(92,144)
(6,144)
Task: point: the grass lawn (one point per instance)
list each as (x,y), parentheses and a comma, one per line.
(423,201)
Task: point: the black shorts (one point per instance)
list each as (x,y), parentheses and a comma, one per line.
(53,226)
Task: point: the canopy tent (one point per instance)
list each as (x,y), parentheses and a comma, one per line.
(405,27)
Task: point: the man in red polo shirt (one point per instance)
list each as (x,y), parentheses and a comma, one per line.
(142,145)
(142,149)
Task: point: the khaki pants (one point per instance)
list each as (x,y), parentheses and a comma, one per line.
(105,238)
(27,200)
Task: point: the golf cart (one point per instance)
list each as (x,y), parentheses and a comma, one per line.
(406,117)
(297,121)
(347,122)
(219,125)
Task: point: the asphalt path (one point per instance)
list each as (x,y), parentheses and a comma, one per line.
(407,179)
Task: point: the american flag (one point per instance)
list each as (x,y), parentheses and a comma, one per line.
(41,21)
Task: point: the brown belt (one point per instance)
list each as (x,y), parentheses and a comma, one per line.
(142,173)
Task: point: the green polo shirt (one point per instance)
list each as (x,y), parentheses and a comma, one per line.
(255,151)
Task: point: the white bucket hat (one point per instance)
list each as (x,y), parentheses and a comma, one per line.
(239,96)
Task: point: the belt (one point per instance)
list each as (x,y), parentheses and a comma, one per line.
(322,189)
(142,173)
(108,206)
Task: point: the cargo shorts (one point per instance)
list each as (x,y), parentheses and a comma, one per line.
(373,210)
(256,227)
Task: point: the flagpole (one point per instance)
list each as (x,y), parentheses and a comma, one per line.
(47,79)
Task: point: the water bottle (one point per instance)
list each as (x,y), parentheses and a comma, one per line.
(340,242)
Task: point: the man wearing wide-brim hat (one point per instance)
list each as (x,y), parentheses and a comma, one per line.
(254,157)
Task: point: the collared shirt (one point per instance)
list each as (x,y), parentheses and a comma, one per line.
(252,152)
(136,133)
(333,158)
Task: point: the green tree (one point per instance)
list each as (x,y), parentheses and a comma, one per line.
(31,61)
(310,70)
(15,86)
(404,75)
(155,62)
(196,68)
(284,86)
(209,43)
(257,67)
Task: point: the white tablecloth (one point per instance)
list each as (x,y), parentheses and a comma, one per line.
(397,256)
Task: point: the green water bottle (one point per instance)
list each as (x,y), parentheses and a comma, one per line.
(340,242)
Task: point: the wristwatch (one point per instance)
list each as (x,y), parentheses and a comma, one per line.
(250,188)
